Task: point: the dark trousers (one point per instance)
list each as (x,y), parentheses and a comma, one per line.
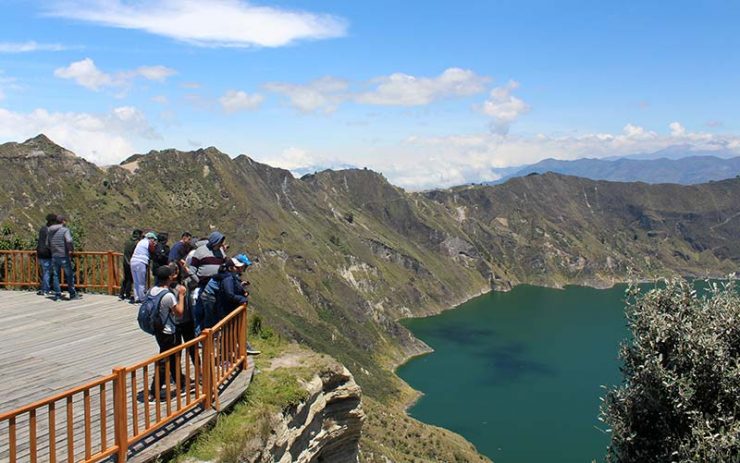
(128,281)
(185,333)
(165,342)
(59,263)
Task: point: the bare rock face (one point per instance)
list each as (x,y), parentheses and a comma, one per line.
(324,428)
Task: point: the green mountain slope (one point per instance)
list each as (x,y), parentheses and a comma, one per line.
(344,254)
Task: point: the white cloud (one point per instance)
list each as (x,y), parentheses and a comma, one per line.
(400,89)
(293,158)
(422,163)
(156,73)
(88,75)
(503,107)
(635,132)
(677,130)
(30,46)
(324,94)
(328,93)
(235,100)
(215,23)
(99,138)
(85,73)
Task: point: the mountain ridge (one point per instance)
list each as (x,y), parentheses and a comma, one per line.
(342,255)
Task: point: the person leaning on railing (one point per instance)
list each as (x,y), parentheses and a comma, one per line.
(43,254)
(59,240)
(172,305)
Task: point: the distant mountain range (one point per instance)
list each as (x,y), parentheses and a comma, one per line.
(685,171)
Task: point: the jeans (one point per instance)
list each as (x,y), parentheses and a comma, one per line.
(138,272)
(205,314)
(59,263)
(45,265)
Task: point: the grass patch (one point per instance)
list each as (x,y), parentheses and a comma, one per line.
(278,387)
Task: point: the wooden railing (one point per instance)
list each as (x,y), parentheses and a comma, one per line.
(95,271)
(105,417)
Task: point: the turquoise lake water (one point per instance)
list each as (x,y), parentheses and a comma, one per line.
(519,374)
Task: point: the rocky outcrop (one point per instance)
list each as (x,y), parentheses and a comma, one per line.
(326,427)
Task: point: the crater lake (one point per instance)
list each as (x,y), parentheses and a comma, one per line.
(520,373)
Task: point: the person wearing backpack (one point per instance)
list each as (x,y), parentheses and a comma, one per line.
(164,305)
(43,255)
(161,253)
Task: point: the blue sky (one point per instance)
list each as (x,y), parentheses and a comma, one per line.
(430,93)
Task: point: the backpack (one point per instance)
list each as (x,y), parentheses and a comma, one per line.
(149,319)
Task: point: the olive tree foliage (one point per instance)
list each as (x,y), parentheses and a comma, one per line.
(680,400)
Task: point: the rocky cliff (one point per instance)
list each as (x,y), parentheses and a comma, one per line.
(326,427)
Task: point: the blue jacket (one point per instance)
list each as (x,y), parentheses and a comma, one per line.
(178,251)
(231,294)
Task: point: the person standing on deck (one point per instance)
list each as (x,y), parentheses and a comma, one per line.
(43,255)
(208,259)
(128,279)
(59,241)
(170,306)
(139,261)
(180,249)
(161,252)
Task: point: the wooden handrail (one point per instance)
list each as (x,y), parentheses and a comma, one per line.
(94,270)
(55,398)
(222,351)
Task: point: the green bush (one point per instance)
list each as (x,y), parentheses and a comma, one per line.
(680,400)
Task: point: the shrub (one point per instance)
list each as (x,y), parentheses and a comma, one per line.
(680,400)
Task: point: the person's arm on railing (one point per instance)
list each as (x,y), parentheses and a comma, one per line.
(232,293)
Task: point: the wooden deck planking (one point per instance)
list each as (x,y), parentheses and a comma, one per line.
(49,347)
(52,346)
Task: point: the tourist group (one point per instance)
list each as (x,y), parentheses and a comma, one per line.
(196,284)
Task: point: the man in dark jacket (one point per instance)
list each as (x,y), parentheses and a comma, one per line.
(161,253)
(232,290)
(43,254)
(59,240)
(128,279)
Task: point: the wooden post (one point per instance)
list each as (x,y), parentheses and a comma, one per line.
(111,273)
(207,366)
(119,413)
(243,336)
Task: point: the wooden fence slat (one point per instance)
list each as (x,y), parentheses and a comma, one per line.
(52,433)
(70,431)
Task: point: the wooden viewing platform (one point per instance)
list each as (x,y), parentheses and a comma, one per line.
(58,357)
